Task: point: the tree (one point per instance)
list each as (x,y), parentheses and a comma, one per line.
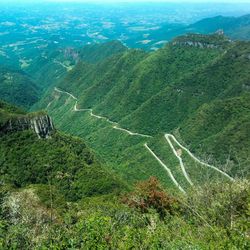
(150,195)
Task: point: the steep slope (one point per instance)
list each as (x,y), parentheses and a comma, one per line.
(221,129)
(225,78)
(94,53)
(51,64)
(7,111)
(117,104)
(18,88)
(97,80)
(237,28)
(234,27)
(64,161)
(86,64)
(119,85)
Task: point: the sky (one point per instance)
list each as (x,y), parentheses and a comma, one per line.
(130,1)
(233,1)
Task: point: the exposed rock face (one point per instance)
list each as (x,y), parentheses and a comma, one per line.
(71,53)
(214,41)
(196,44)
(42,125)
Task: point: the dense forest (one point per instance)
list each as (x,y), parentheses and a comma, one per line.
(104,146)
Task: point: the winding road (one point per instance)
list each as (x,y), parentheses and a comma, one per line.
(168,137)
(115,124)
(179,158)
(166,168)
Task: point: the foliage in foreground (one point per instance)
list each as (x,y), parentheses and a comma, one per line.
(62,161)
(212,217)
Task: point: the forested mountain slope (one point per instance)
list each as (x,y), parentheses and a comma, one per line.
(18,88)
(237,28)
(224,78)
(53,64)
(80,66)
(27,159)
(103,146)
(156,93)
(94,53)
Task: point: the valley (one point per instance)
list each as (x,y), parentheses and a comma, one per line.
(98,110)
(124,125)
(168,139)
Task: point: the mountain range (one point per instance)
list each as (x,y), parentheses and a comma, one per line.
(237,28)
(173,90)
(109,147)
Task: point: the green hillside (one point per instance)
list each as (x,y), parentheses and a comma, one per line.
(7,111)
(94,53)
(26,159)
(73,65)
(221,129)
(107,87)
(134,95)
(18,88)
(55,194)
(237,28)
(53,64)
(128,149)
(225,78)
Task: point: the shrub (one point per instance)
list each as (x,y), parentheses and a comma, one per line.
(150,195)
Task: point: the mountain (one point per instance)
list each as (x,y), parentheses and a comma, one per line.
(51,69)
(55,193)
(237,28)
(24,81)
(224,78)
(130,100)
(32,151)
(94,53)
(50,65)
(18,88)
(125,148)
(53,64)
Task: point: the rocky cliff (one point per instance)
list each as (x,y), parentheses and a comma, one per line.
(215,41)
(42,125)
(197,44)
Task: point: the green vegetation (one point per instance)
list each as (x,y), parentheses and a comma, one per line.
(8,111)
(94,53)
(225,122)
(47,68)
(17,88)
(128,158)
(237,28)
(67,162)
(54,64)
(199,40)
(167,91)
(140,111)
(212,217)
(63,160)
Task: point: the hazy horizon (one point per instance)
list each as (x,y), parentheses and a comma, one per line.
(129,1)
